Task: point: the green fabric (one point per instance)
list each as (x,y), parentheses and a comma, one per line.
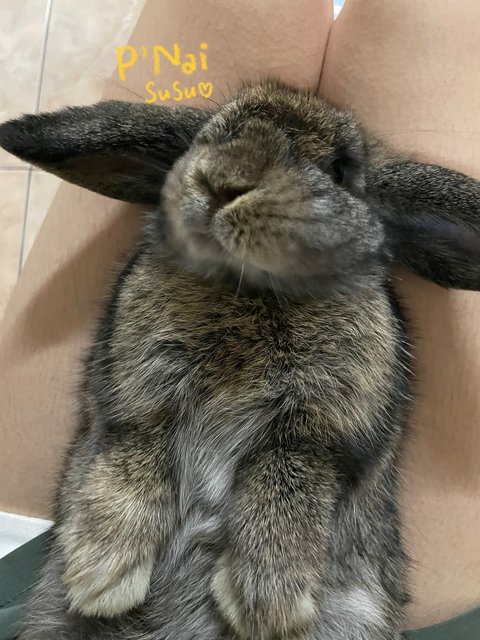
(18,573)
(464,627)
(19,570)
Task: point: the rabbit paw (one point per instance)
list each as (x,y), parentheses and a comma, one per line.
(100,592)
(103,583)
(261,606)
(104,588)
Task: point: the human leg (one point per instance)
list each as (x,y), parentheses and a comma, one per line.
(411,72)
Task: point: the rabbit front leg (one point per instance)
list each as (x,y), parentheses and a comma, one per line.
(267,581)
(118,509)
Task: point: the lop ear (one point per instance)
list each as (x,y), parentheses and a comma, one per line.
(119,149)
(432,218)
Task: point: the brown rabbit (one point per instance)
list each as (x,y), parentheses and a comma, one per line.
(244,403)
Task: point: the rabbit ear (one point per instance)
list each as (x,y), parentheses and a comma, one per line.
(432,218)
(119,149)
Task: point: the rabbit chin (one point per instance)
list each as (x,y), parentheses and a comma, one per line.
(252,275)
(255,261)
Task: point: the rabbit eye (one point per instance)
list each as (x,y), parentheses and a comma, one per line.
(337,171)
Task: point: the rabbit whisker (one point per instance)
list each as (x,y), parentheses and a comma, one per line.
(240,280)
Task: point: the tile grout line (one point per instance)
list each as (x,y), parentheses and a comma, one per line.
(21,167)
(25,213)
(43,54)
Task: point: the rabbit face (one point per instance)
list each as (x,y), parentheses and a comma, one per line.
(272,189)
(276,188)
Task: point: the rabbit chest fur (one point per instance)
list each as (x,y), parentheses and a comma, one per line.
(264,434)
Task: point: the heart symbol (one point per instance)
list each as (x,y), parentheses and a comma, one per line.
(205,89)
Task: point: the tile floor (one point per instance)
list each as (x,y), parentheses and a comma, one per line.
(52,53)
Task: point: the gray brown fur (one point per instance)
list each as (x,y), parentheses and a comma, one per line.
(244,404)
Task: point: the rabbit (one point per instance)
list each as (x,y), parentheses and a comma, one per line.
(245,401)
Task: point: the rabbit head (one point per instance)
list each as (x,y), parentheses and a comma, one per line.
(275,187)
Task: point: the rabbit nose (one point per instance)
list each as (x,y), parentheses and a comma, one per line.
(222,195)
(225,195)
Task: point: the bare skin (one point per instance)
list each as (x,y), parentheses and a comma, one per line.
(411,72)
